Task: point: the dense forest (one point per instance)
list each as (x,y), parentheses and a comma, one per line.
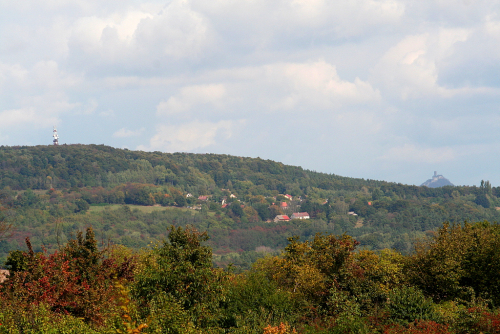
(130,198)
(449,284)
(99,239)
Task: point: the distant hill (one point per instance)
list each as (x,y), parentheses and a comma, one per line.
(437,181)
(132,197)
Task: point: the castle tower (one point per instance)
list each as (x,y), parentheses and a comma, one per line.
(56,137)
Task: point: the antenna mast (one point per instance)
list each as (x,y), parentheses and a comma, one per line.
(56,137)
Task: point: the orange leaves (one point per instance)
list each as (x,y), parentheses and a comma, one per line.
(281,329)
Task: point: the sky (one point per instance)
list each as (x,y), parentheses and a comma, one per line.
(375,89)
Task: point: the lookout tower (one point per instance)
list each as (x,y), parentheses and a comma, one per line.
(56,137)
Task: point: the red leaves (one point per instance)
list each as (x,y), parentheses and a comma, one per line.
(75,280)
(419,327)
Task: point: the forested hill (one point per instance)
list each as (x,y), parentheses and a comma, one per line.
(70,166)
(131,198)
(66,166)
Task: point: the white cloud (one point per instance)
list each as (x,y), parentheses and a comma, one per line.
(409,69)
(277,87)
(125,133)
(191,96)
(318,84)
(261,22)
(15,117)
(190,136)
(43,75)
(331,68)
(142,35)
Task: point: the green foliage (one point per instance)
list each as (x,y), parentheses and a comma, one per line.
(181,269)
(36,319)
(482,200)
(17,261)
(323,284)
(254,301)
(457,260)
(408,304)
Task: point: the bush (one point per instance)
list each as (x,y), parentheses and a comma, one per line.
(77,280)
(408,304)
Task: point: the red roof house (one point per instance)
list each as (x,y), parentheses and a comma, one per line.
(281,218)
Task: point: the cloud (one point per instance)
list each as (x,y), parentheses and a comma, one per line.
(263,22)
(410,68)
(362,79)
(36,95)
(146,36)
(192,96)
(190,136)
(317,84)
(15,117)
(314,86)
(125,133)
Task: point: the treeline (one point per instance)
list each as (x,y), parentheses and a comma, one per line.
(450,284)
(49,193)
(67,166)
(244,225)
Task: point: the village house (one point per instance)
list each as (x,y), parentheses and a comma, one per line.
(281,218)
(300,215)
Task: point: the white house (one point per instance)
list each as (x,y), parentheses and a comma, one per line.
(300,215)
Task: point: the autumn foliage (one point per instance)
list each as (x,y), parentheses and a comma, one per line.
(321,285)
(75,280)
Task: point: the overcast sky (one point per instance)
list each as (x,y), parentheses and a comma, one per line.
(380,89)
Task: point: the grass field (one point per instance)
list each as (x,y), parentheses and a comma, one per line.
(145,209)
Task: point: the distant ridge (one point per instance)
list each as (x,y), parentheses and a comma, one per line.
(437,181)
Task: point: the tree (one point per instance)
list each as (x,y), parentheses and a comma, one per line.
(76,280)
(6,205)
(482,200)
(457,261)
(179,272)
(180,201)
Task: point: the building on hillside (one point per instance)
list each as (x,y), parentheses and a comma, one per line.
(289,197)
(284,205)
(352,213)
(300,215)
(281,218)
(203,198)
(189,195)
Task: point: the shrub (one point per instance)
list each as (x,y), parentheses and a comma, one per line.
(76,280)
(408,304)
(180,272)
